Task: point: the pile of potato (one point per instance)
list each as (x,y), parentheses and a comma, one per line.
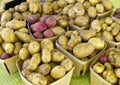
(107,28)
(43,64)
(82,44)
(108,66)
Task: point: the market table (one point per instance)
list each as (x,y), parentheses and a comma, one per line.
(14,79)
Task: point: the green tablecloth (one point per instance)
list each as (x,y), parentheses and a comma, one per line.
(14,79)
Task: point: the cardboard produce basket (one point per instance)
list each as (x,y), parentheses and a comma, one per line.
(9,64)
(63,81)
(96,79)
(81,67)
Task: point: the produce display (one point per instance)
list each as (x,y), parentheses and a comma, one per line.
(83,28)
(42,63)
(82,44)
(108,65)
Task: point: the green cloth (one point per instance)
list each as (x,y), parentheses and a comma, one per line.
(14,79)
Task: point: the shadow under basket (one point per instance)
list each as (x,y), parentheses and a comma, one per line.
(63,81)
(81,67)
(96,79)
(9,64)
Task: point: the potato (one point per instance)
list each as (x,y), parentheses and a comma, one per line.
(92,12)
(108,66)
(33,7)
(34,47)
(98,43)
(57,30)
(57,72)
(93,2)
(40,10)
(104,26)
(37,79)
(83,50)
(66,9)
(68,34)
(25,64)
(115,30)
(25,30)
(96,25)
(107,35)
(57,56)
(34,61)
(8,35)
(16,24)
(9,48)
(44,69)
(23,36)
(38,35)
(107,4)
(26,45)
(100,8)
(49,79)
(23,7)
(5,17)
(108,20)
(67,64)
(63,40)
(86,4)
(77,10)
(55,5)
(12,10)
(49,0)
(81,1)
(1,40)
(62,3)
(70,1)
(1,51)
(27,15)
(47,8)
(74,40)
(81,21)
(109,28)
(98,67)
(18,46)
(87,34)
(47,44)
(63,23)
(117,37)
(46,55)
(110,76)
(24,53)
(17,16)
(25,72)
(117,70)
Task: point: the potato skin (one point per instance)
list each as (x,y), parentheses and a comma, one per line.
(100,8)
(47,8)
(96,25)
(8,35)
(107,4)
(25,64)
(92,12)
(44,69)
(23,7)
(34,62)
(17,16)
(34,47)
(107,35)
(83,50)
(57,72)
(24,53)
(46,55)
(33,7)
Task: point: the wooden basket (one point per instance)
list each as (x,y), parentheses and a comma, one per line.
(9,64)
(81,67)
(96,79)
(63,81)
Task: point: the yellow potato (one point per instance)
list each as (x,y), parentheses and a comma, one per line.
(34,47)
(100,8)
(33,7)
(34,62)
(18,46)
(93,2)
(8,35)
(23,7)
(92,12)
(62,3)
(47,8)
(107,35)
(24,53)
(107,4)
(96,25)
(17,16)
(115,30)
(46,55)
(66,9)
(117,37)
(9,48)
(25,30)
(57,56)
(83,50)
(55,5)
(1,51)
(47,44)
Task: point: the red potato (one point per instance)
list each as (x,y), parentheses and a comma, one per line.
(38,27)
(117,16)
(43,18)
(38,35)
(5,56)
(103,59)
(33,19)
(48,33)
(51,21)
(117,11)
